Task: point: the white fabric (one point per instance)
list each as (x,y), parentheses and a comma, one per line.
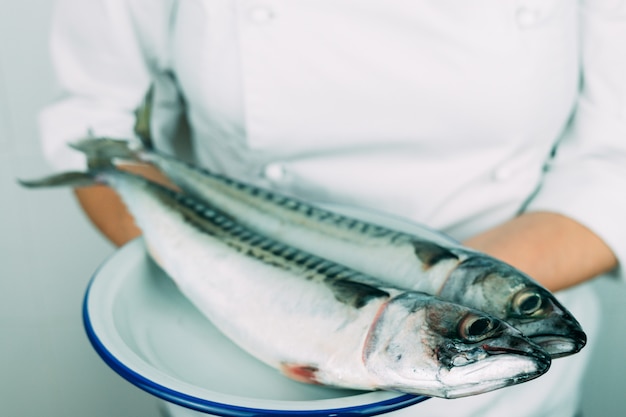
(444,112)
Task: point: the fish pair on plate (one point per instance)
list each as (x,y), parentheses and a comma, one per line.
(331,299)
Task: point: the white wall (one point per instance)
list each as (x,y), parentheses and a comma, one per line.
(48,252)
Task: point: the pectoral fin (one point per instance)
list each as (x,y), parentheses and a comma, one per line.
(430,253)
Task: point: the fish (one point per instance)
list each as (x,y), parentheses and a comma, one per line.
(423,259)
(315,320)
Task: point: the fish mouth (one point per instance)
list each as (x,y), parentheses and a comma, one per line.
(495,365)
(541,358)
(559,334)
(479,379)
(518,345)
(558,346)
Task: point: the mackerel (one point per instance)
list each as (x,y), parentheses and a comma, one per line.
(315,320)
(422,260)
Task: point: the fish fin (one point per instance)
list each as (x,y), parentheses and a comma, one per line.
(431,253)
(101,152)
(301,373)
(73,179)
(354,293)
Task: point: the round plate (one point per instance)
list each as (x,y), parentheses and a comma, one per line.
(150,334)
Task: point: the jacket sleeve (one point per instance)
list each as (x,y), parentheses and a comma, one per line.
(103,53)
(586,179)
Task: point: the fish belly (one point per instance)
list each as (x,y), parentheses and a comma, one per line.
(282,319)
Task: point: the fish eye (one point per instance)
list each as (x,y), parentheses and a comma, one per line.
(475,328)
(528,302)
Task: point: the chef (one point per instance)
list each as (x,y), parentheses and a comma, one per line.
(499,122)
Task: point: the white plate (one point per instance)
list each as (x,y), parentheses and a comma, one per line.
(147,331)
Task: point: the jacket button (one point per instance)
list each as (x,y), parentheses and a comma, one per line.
(260,14)
(527,17)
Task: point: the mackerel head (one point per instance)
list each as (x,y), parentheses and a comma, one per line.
(483,282)
(470,352)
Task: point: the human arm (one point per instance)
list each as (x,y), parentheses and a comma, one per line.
(554,249)
(107,211)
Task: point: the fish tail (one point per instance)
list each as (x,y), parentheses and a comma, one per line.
(100,152)
(71,179)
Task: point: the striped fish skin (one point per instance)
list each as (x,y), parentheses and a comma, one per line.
(427,261)
(317,321)
(323,305)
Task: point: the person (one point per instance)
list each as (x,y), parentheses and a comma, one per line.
(500,123)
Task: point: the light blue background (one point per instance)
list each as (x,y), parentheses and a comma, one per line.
(48,251)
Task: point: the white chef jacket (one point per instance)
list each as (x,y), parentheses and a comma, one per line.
(446,112)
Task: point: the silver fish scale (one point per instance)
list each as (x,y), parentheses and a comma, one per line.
(268,250)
